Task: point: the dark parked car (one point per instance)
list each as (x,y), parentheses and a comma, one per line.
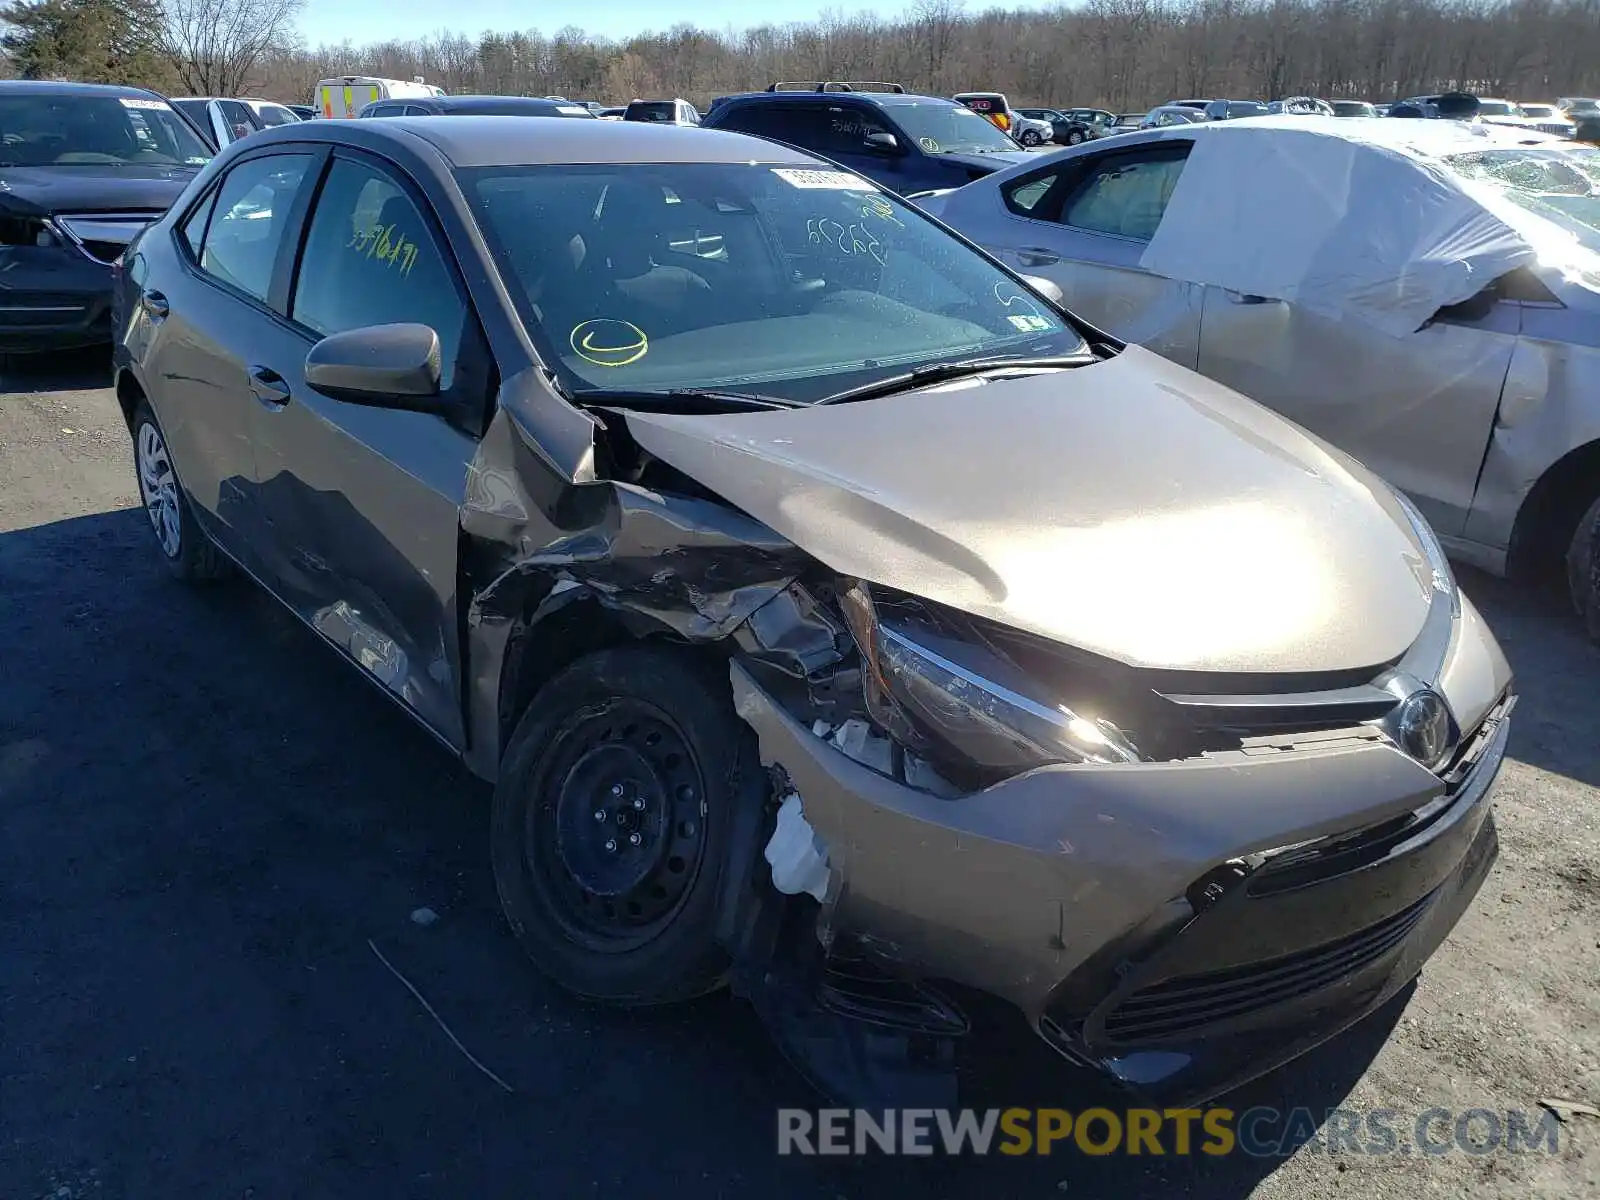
(477,106)
(614,456)
(904,142)
(1074,125)
(83,168)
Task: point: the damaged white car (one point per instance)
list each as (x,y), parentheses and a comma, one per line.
(1423,294)
(834,613)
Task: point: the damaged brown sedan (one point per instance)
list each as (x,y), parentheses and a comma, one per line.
(835,615)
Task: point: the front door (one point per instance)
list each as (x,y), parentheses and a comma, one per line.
(1084,223)
(364,502)
(1417,409)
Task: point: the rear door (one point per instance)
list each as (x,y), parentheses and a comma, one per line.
(364,502)
(208,321)
(1084,222)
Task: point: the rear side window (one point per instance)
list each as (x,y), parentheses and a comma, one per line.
(371,259)
(241,121)
(275,114)
(793,124)
(194,228)
(241,243)
(415,110)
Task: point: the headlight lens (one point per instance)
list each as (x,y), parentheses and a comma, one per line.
(937,694)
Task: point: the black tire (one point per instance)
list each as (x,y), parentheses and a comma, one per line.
(188,554)
(585,913)
(1030,139)
(1075,137)
(1583,570)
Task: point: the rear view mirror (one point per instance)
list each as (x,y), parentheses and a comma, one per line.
(1046,288)
(882,143)
(385,366)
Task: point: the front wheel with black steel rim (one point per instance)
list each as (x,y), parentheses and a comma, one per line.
(613,823)
(185,549)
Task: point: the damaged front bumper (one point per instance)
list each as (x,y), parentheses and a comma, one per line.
(52,298)
(1181,926)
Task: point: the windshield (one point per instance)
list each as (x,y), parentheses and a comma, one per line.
(1540,111)
(1245,108)
(791,282)
(1497,108)
(1559,186)
(946,128)
(653,110)
(1353,108)
(78,130)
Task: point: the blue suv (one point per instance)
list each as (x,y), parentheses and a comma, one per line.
(902,142)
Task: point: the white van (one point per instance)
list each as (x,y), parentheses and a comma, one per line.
(347,95)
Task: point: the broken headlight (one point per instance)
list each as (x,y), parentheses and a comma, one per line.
(957,701)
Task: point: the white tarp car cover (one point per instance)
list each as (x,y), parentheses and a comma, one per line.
(1349,218)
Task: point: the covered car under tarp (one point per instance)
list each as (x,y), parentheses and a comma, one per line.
(1353,219)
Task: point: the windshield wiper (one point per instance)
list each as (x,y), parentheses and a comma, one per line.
(681,400)
(938,372)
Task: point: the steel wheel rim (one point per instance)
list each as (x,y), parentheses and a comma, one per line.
(158,488)
(622,774)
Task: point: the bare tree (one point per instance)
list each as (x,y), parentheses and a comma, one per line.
(215,46)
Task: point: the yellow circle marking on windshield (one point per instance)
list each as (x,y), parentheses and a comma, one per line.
(609,343)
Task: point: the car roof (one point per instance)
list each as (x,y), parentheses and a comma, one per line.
(882,99)
(507,103)
(494,141)
(45,87)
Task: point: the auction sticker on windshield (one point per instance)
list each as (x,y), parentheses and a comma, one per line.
(836,181)
(129,102)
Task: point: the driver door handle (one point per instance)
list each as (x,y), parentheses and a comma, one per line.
(1247,298)
(1037,256)
(270,388)
(155,304)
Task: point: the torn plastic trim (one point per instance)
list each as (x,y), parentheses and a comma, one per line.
(541,532)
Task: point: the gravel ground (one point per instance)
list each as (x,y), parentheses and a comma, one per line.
(204,818)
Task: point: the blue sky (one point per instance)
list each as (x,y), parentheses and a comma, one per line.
(364,21)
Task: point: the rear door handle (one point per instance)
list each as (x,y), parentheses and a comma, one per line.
(1247,298)
(270,388)
(156,305)
(1037,256)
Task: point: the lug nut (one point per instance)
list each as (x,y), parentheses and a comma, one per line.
(638,803)
(611,845)
(600,814)
(634,839)
(616,789)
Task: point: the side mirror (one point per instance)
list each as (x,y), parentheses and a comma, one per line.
(384,366)
(1046,288)
(882,143)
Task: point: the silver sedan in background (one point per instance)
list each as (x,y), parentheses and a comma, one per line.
(1423,294)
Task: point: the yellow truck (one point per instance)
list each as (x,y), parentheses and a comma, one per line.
(347,95)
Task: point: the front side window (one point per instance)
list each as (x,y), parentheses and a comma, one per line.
(239,119)
(371,259)
(797,282)
(40,130)
(241,243)
(1124,195)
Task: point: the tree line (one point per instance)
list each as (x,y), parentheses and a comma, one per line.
(1125,55)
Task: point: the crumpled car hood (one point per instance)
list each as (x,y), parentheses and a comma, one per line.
(1132,509)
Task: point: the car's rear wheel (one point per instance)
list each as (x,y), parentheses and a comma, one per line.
(612,827)
(1030,138)
(185,549)
(1583,569)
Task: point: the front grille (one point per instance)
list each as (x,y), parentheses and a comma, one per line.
(1339,855)
(1187,1004)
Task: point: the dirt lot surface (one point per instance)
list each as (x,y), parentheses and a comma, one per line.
(204,817)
